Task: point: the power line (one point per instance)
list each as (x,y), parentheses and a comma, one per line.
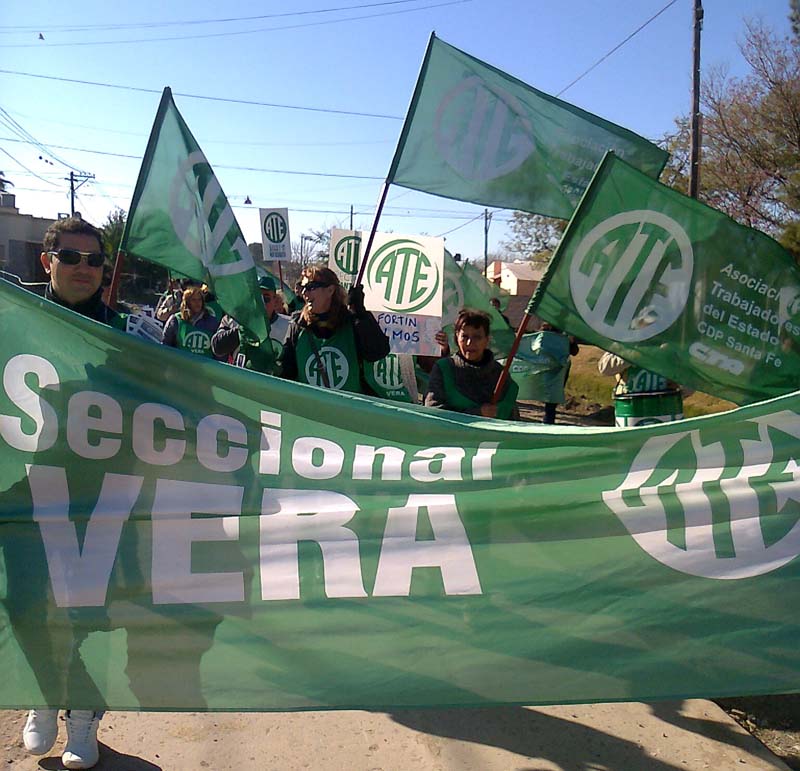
(202,96)
(17,128)
(3,150)
(616,48)
(188,22)
(240,32)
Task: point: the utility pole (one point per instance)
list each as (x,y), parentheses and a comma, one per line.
(694,158)
(79,177)
(351,216)
(487,218)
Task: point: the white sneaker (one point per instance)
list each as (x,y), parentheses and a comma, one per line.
(81,750)
(41,729)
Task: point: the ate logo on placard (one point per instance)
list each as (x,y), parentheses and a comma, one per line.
(482,131)
(347,254)
(631,274)
(716,510)
(336,367)
(404,275)
(195,201)
(275,227)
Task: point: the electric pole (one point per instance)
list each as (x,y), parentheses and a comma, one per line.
(80,177)
(694,157)
(487,218)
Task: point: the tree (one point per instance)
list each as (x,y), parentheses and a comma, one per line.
(533,235)
(750,159)
(4,183)
(794,17)
(112,230)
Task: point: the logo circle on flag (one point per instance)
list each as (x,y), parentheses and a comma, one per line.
(405,277)
(347,254)
(336,366)
(631,274)
(275,227)
(482,131)
(684,507)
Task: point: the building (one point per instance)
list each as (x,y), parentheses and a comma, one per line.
(517,278)
(21,242)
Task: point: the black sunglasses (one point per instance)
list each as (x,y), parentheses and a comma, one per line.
(313,285)
(73,257)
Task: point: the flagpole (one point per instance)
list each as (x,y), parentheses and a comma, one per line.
(396,159)
(115,276)
(501,381)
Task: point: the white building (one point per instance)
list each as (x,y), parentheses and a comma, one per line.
(20,241)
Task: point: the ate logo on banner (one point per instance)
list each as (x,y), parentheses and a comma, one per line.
(335,364)
(482,131)
(196,201)
(348,254)
(712,510)
(403,275)
(631,274)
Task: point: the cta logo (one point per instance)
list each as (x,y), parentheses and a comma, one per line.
(275,227)
(405,277)
(715,510)
(197,341)
(195,201)
(631,274)
(348,254)
(335,365)
(482,131)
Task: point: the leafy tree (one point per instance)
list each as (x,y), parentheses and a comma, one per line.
(750,159)
(533,236)
(4,183)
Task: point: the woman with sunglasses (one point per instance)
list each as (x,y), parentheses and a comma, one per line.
(193,326)
(328,341)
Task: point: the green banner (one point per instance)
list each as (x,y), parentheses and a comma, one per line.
(181,219)
(676,287)
(475,133)
(181,534)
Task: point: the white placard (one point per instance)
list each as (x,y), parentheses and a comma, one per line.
(345,254)
(410,333)
(275,234)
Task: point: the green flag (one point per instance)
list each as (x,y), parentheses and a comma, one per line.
(475,133)
(180,219)
(177,533)
(467,288)
(676,287)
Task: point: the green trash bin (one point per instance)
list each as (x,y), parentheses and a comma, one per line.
(644,409)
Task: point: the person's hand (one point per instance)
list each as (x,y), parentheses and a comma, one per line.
(441,339)
(489,410)
(355,299)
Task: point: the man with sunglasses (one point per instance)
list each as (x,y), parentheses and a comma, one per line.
(73,257)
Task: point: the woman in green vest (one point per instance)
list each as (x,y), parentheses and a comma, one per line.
(327,341)
(465,381)
(192,327)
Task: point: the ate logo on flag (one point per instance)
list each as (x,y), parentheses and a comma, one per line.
(684,507)
(482,131)
(631,274)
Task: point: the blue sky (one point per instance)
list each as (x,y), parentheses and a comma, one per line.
(361,60)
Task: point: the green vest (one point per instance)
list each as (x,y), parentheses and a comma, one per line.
(337,354)
(192,339)
(385,378)
(460,403)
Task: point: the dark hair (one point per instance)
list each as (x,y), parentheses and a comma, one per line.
(338,310)
(471,318)
(70,225)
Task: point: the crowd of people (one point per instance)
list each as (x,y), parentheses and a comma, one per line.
(332,342)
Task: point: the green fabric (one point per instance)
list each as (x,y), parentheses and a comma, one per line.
(181,534)
(385,378)
(180,218)
(338,355)
(638,380)
(540,367)
(676,287)
(192,339)
(258,356)
(475,133)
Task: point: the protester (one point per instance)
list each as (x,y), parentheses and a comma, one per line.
(641,397)
(73,258)
(212,304)
(327,343)
(465,382)
(232,342)
(495,301)
(170,301)
(193,326)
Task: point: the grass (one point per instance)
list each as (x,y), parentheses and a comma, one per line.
(585,380)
